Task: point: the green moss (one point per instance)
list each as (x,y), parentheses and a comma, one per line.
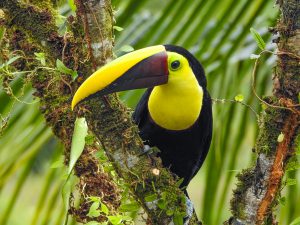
(270,127)
(45,4)
(37,23)
(245,181)
(143,181)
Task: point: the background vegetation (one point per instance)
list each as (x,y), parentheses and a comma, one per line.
(217,33)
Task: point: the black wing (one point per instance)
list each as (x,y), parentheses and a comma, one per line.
(141,109)
(141,118)
(207,115)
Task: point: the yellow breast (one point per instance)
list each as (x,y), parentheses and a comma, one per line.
(177,104)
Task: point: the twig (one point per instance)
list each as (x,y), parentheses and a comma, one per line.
(217,100)
(253,81)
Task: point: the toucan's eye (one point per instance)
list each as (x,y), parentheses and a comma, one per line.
(175,65)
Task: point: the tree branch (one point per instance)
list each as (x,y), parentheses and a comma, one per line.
(111,122)
(108,118)
(37,30)
(259,187)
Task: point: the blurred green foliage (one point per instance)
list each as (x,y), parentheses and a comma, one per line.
(217,33)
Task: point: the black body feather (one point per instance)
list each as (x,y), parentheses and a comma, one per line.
(182,151)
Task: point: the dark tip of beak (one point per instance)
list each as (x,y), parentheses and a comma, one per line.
(149,72)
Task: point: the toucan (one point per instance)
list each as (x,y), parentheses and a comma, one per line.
(175,112)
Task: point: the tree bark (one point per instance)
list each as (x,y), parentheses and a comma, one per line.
(86,46)
(258,189)
(31,28)
(111,122)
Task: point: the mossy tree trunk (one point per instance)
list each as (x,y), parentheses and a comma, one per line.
(258,190)
(84,47)
(31,29)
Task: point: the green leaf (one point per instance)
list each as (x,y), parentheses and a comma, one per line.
(58,163)
(13,59)
(296,221)
(179,182)
(178,218)
(100,154)
(94,198)
(78,141)
(130,207)
(169,212)
(40,56)
(94,211)
(108,168)
(66,192)
(282,201)
(117,28)
(60,20)
(254,56)
(280,137)
(2,32)
(260,42)
(293,164)
(115,220)
(89,140)
(162,204)
(239,98)
(67,189)
(151,198)
(104,208)
(126,48)
(126,218)
(164,195)
(93,223)
(63,69)
(10,61)
(72,5)
(290,182)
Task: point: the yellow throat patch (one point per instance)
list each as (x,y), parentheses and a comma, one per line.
(177,104)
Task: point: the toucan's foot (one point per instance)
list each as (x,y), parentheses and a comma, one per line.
(189,211)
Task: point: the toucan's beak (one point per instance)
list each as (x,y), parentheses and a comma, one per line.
(147,67)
